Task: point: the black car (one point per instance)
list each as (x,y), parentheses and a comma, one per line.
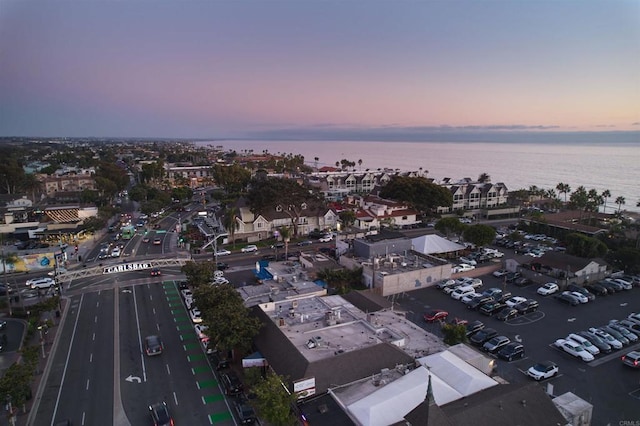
(595,340)
(568,299)
(491,308)
(513,350)
(218,361)
(478,301)
(527,306)
(153,345)
(581,290)
(269,257)
(474,327)
(522,282)
(597,289)
(506,313)
(511,277)
(482,336)
(231,383)
(221,266)
(160,414)
(245,412)
(183,285)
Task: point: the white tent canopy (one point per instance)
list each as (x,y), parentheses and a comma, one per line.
(434,244)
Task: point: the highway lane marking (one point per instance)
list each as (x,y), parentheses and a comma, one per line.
(94,336)
(175,398)
(135,305)
(91,357)
(168,370)
(84,413)
(87,387)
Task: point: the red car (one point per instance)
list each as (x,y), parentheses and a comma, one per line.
(155,272)
(436,315)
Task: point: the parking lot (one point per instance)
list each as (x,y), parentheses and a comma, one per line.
(613,388)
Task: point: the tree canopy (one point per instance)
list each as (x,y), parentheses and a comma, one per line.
(273,401)
(234,178)
(480,235)
(450,225)
(286,195)
(417,192)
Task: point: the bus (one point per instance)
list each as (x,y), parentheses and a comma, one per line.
(128,232)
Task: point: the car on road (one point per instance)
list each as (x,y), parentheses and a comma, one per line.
(41,283)
(527,306)
(436,315)
(305,243)
(542,370)
(495,343)
(223,252)
(547,289)
(116,252)
(157,241)
(473,327)
(156,272)
(511,351)
(221,266)
(573,348)
(463,267)
(145,240)
(153,345)
(160,414)
(231,383)
(506,314)
(632,359)
(500,273)
(568,298)
(249,249)
(482,336)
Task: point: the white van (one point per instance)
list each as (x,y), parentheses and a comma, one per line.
(460,292)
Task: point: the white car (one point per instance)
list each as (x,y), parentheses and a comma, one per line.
(590,347)
(223,252)
(574,348)
(468,261)
(115,252)
(634,317)
(512,302)
(581,297)
(469,297)
(463,267)
(200,331)
(249,249)
(500,273)
(462,291)
(195,314)
(547,289)
(326,238)
(186,293)
(219,281)
(542,370)
(40,283)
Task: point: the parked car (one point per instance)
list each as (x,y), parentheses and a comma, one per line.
(482,336)
(633,337)
(491,308)
(500,273)
(462,291)
(160,414)
(576,288)
(445,283)
(635,317)
(543,370)
(547,289)
(473,327)
(196,315)
(476,302)
(522,282)
(596,340)
(573,348)
(223,252)
(590,347)
(435,315)
(511,351)
(581,297)
(153,345)
(495,343)
(512,276)
(568,298)
(325,238)
(616,334)
(231,383)
(249,248)
(527,306)
(246,414)
(615,343)
(506,314)
(597,289)
(514,300)
(463,267)
(632,359)
(469,297)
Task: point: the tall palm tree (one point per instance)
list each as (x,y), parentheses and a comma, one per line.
(484,178)
(285,232)
(230,223)
(620,201)
(360,164)
(563,188)
(605,195)
(7,258)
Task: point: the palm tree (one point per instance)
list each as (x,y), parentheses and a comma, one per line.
(285,232)
(230,222)
(484,178)
(12,259)
(620,201)
(605,194)
(360,164)
(563,188)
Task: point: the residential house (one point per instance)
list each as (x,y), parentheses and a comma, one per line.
(472,195)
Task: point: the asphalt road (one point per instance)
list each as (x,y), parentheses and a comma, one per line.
(613,389)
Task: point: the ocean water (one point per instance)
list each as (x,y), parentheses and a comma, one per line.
(615,167)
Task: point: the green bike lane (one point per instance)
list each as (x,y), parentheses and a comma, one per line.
(211,394)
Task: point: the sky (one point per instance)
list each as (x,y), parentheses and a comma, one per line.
(307,68)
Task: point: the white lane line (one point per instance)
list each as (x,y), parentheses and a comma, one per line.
(83,416)
(91,357)
(175,398)
(87,387)
(154,311)
(168,370)
(135,305)
(94,337)
(98,304)
(95,319)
